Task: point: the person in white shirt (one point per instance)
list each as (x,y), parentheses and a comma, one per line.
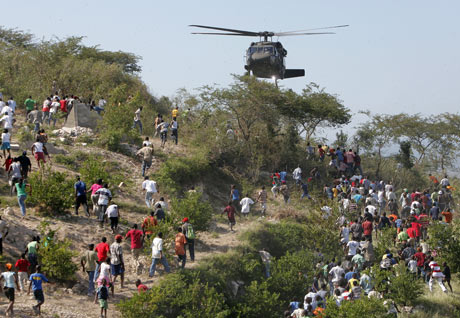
(113,213)
(391,195)
(336,273)
(7,110)
(6,138)
(246,205)
(137,120)
(412,265)
(38,151)
(266,259)
(11,283)
(157,255)
(371,209)
(102,102)
(146,142)
(54,108)
(436,275)
(7,120)
(150,188)
(12,104)
(105,196)
(352,246)
(174,128)
(297,175)
(445,182)
(345,233)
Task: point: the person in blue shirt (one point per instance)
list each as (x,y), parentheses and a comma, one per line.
(283,175)
(235,197)
(80,196)
(36,281)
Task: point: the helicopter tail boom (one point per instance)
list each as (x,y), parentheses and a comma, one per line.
(294,73)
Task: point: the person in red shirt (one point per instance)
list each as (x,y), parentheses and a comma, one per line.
(63,103)
(137,237)
(102,250)
(149,223)
(416,225)
(180,242)
(411,232)
(230,210)
(420,260)
(141,287)
(367,230)
(22,266)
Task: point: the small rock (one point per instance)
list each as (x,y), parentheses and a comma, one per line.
(8,211)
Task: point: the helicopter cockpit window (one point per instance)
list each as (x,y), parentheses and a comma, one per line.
(268,49)
(252,50)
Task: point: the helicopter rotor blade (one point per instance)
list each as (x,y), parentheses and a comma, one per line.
(308,33)
(249,33)
(331,27)
(215,33)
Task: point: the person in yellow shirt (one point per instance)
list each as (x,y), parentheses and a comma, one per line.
(175,112)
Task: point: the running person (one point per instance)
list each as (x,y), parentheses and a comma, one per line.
(11,282)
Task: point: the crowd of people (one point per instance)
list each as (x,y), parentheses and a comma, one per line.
(103,263)
(367,208)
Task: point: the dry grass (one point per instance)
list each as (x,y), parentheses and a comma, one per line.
(437,304)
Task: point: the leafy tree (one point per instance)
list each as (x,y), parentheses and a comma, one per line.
(373,136)
(404,156)
(446,240)
(316,108)
(341,139)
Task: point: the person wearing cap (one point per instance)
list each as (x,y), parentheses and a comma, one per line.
(11,282)
(117,265)
(80,196)
(187,230)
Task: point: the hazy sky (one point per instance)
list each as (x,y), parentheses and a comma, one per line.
(396,55)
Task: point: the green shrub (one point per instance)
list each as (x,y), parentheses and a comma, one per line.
(52,191)
(445,238)
(278,238)
(97,167)
(291,274)
(73,160)
(364,307)
(25,134)
(195,208)
(397,284)
(259,301)
(176,172)
(56,256)
(384,242)
(176,296)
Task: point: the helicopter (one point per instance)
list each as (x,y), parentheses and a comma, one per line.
(266,58)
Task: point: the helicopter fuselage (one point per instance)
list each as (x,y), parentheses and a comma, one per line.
(266,59)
